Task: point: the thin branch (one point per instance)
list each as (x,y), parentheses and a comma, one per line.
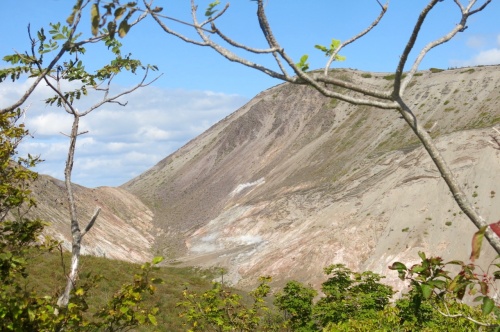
(212,19)
(91,222)
(447,175)
(410,45)
(353,39)
(141,84)
(480,8)
(353,87)
(172,32)
(496,143)
(264,25)
(458,28)
(466,317)
(238,45)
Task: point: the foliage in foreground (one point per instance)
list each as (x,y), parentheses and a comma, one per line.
(352,301)
(21,242)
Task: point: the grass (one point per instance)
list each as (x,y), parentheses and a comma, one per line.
(468,71)
(436,70)
(392,76)
(46,276)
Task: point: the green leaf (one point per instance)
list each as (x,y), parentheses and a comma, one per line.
(152,319)
(112,29)
(321,48)
(123,29)
(211,8)
(58,37)
(439,284)
(157,260)
(77,7)
(340,58)
(488,305)
(398,266)
(94,18)
(426,291)
(119,13)
(477,241)
(303,65)
(335,44)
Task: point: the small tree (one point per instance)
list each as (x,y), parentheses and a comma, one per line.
(296,303)
(347,295)
(65,39)
(22,310)
(221,309)
(18,234)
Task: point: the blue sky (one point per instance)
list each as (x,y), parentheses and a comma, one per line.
(198,87)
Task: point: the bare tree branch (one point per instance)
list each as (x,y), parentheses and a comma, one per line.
(496,140)
(353,39)
(449,315)
(466,13)
(91,222)
(113,99)
(409,47)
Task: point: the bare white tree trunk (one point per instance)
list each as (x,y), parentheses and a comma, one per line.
(76,233)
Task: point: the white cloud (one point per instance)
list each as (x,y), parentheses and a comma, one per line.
(48,124)
(490,56)
(476,41)
(153,133)
(121,142)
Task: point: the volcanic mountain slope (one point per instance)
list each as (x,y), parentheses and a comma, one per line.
(293,181)
(123,229)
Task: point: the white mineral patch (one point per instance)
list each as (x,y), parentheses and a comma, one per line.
(242,186)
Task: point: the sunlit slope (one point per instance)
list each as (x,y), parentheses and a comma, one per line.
(293,181)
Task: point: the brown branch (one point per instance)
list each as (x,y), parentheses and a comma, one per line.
(447,174)
(91,222)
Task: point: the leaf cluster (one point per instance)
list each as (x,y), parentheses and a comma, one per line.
(430,281)
(347,296)
(221,309)
(329,51)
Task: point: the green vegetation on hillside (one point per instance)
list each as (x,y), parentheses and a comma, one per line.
(45,276)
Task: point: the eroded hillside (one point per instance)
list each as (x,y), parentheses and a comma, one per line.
(122,231)
(293,181)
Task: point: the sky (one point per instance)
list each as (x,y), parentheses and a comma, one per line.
(199,88)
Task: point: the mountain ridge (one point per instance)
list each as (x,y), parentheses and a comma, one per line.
(293,181)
